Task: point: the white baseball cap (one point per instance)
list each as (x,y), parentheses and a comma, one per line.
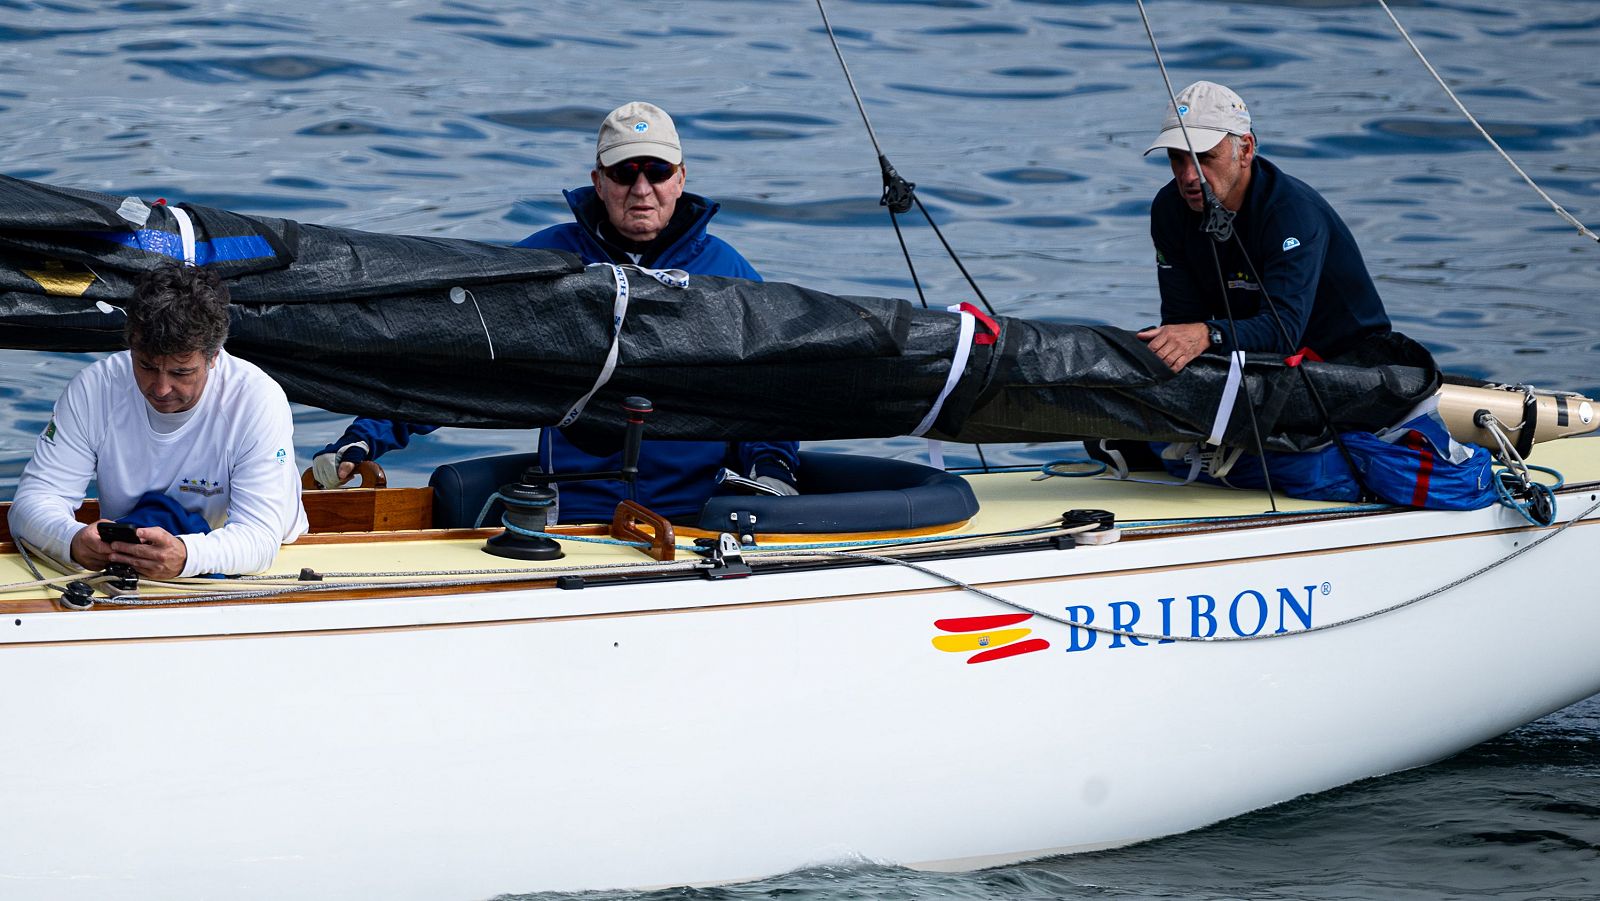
(1210,113)
(637,129)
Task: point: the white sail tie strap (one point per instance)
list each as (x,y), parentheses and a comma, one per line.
(958,365)
(185,233)
(672,278)
(619,312)
(1230,393)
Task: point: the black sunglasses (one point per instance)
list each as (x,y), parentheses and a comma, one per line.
(627,172)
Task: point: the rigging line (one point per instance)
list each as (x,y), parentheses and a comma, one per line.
(1305,376)
(827,26)
(1223,230)
(898,194)
(1218,639)
(1561,211)
(954,258)
(1249,402)
(1219,219)
(1219,224)
(915,282)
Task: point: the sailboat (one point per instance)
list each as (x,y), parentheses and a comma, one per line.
(952,672)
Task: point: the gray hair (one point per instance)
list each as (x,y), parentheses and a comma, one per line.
(178,310)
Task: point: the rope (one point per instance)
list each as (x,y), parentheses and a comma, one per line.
(1560,211)
(898,194)
(827,26)
(586,539)
(1218,223)
(27,558)
(316,587)
(1036,531)
(1537,504)
(1057,469)
(1155,636)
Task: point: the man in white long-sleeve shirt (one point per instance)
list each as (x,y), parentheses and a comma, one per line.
(172,430)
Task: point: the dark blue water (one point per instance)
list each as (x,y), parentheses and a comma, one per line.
(1022,124)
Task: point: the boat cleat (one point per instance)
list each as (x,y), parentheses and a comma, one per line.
(78,595)
(727,560)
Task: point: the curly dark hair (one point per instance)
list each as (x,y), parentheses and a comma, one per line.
(178,310)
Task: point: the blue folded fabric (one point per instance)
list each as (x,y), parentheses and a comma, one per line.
(157,509)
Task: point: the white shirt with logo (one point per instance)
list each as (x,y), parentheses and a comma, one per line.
(231,460)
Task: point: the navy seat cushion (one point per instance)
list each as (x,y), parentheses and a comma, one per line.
(851,493)
(843,493)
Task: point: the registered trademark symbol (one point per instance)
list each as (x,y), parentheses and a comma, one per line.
(1327,588)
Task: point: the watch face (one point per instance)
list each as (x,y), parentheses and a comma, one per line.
(1216,337)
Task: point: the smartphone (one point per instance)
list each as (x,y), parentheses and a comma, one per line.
(118,531)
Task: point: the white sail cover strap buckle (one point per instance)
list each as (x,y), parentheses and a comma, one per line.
(1230,393)
(958,365)
(185,233)
(619,312)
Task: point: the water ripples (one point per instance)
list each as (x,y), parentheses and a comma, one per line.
(1022,124)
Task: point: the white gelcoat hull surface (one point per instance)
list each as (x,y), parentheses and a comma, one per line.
(691,732)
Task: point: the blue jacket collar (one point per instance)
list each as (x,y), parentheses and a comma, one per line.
(584,202)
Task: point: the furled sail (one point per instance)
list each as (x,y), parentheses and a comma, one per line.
(465,333)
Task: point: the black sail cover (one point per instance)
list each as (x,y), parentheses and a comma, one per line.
(464,333)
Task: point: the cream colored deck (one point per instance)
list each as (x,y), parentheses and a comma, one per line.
(1007,501)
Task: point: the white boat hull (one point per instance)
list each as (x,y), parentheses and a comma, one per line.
(694,732)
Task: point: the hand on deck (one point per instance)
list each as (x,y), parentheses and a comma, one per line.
(1177,344)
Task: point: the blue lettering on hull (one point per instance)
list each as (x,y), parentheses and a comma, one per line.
(1244,613)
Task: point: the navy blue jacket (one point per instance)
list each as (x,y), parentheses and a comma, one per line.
(1305,256)
(675,477)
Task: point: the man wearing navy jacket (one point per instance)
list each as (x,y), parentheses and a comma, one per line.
(1288,246)
(635,212)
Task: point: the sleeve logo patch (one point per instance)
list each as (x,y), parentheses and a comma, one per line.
(50,430)
(1291,243)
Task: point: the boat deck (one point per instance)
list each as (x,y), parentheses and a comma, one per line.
(1009,502)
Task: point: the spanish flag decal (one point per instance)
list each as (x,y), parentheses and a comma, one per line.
(990,636)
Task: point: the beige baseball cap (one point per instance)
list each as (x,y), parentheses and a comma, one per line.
(637,129)
(1210,112)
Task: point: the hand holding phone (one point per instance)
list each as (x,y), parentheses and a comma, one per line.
(117,531)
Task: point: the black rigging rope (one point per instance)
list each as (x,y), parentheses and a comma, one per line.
(1218,223)
(899,196)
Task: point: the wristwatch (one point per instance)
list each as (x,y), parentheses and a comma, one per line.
(1216,336)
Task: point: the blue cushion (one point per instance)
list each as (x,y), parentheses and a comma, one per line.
(851,493)
(843,493)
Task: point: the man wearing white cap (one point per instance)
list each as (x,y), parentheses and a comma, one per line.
(635,212)
(1286,246)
